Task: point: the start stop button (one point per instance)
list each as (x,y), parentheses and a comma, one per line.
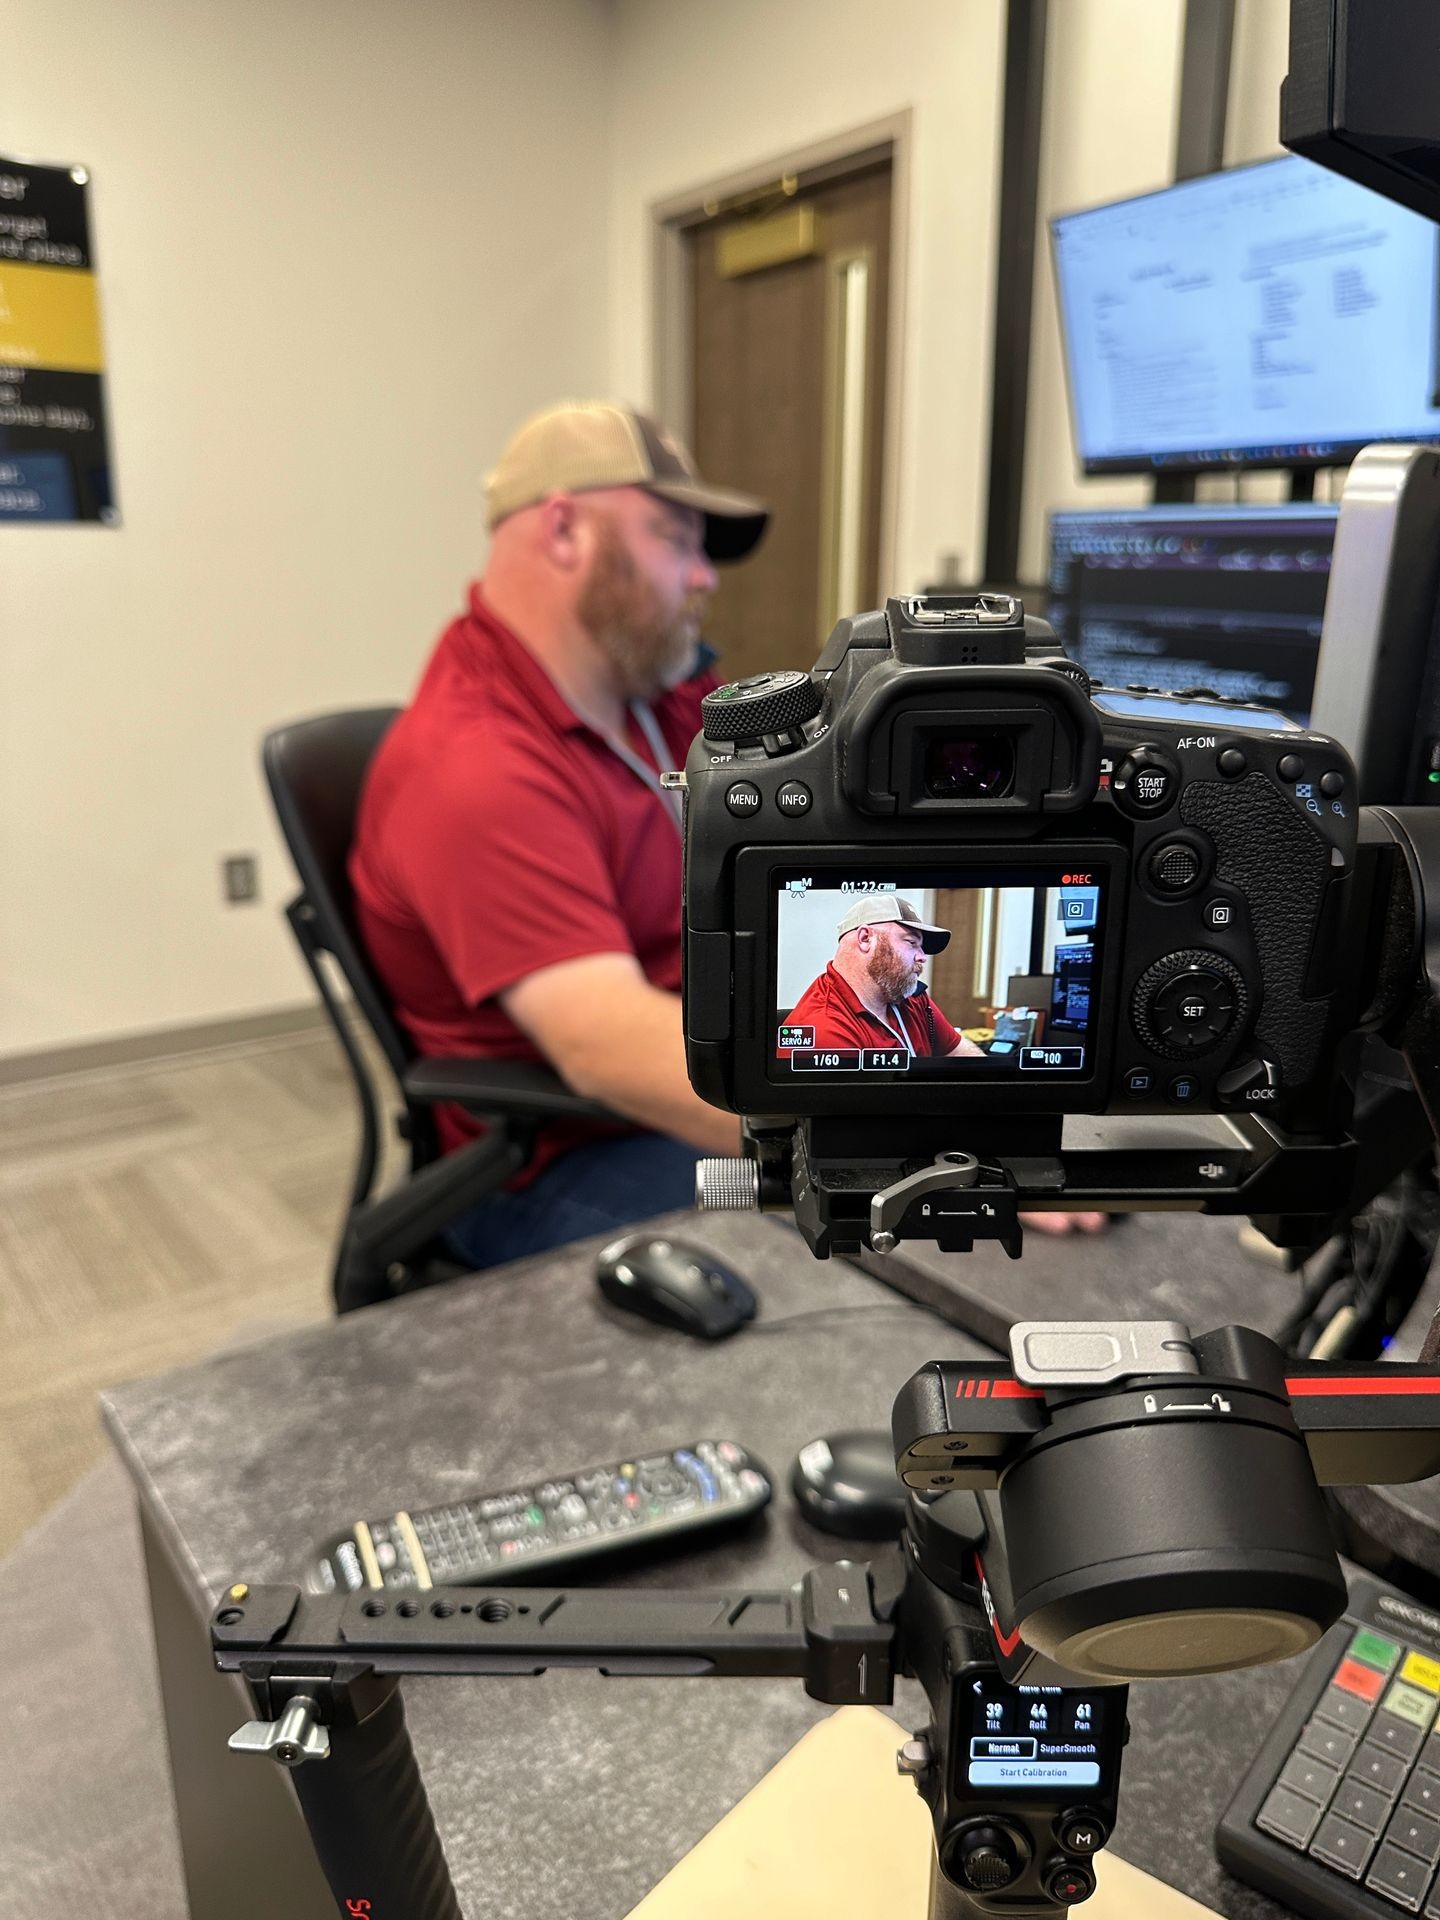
(1145,782)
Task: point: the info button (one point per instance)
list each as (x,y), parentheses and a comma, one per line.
(793,798)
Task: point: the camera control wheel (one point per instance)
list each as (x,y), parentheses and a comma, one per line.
(766,703)
(1189,1002)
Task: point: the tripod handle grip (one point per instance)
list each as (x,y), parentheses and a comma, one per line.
(370,1819)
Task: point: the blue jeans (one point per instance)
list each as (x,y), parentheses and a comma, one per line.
(593,1189)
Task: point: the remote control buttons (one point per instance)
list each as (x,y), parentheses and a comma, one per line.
(1145,782)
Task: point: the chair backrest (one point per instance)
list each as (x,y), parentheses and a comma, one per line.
(316,770)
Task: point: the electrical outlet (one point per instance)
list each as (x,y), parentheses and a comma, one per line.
(240,875)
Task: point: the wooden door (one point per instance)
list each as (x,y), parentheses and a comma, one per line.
(788,402)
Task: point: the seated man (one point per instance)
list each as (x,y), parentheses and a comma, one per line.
(516,863)
(872,994)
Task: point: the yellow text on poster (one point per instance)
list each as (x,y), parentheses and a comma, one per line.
(49,317)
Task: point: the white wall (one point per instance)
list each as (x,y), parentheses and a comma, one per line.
(1111,98)
(705,88)
(343,247)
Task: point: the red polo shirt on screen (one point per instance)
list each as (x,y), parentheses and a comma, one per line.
(841,1019)
(499,834)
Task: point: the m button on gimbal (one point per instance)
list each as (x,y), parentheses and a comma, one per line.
(1081,1832)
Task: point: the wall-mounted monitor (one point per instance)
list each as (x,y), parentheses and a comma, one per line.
(1276,315)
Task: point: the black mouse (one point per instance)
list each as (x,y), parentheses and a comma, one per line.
(846,1483)
(674,1283)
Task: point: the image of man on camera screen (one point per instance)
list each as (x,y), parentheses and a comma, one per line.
(873,993)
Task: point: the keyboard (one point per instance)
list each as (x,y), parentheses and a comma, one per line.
(1339,1815)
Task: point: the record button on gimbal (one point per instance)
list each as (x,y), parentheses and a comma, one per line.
(1068,1885)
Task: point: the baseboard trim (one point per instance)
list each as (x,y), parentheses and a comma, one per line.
(158,1043)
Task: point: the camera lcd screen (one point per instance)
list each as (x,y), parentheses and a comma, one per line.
(958,974)
(1033,1738)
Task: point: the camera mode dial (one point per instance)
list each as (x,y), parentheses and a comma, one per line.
(1188,1002)
(766,703)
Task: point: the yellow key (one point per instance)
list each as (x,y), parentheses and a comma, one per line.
(1421,1672)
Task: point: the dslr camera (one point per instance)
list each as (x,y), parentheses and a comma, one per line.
(944,896)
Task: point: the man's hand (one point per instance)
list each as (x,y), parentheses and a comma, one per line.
(613,1037)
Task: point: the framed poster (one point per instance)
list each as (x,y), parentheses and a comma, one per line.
(54,444)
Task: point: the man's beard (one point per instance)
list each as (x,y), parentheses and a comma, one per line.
(895,978)
(626,618)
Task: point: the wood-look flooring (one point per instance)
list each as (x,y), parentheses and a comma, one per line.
(150,1215)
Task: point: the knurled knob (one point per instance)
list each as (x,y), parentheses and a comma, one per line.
(765,703)
(730,1185)
(986,1860)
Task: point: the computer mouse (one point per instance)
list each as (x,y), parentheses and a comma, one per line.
(846,1483)
(675,1284)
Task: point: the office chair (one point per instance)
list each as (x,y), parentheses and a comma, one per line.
(315,770)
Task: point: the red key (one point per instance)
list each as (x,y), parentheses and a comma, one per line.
(1363,1681)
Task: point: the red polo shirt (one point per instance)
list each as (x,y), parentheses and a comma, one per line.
(841,1019)
(498,834)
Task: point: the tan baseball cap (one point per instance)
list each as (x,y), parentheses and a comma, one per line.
(596,443)
(888,909)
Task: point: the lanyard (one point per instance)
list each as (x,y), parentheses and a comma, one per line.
(900,1023)
(655,740)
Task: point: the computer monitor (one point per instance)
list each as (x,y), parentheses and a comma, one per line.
(1272,315)
(1230,598)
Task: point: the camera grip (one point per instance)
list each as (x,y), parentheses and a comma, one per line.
(1281,864)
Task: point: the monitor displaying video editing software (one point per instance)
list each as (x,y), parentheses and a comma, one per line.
(1230,598)
(1272,315)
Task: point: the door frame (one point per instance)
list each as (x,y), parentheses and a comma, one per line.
(890,138)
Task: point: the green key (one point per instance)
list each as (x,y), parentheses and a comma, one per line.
(1408,1703)
(1374,1651)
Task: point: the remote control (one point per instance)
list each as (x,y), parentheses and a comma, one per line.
(1339,1815)
(651,1500)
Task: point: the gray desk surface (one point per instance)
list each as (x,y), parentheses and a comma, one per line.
(568,1793)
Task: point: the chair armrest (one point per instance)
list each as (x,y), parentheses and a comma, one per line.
(519,1089)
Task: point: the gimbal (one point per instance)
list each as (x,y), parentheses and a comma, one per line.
(1123,1502)
(1076,1521)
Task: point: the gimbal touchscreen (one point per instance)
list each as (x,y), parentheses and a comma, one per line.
(975,974)
(1031,1739)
